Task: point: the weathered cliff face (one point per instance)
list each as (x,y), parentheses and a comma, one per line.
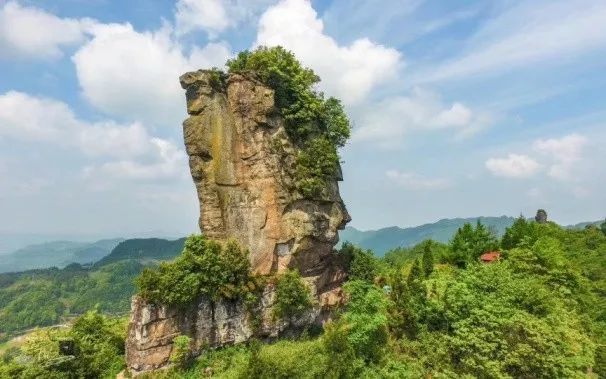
(242,163)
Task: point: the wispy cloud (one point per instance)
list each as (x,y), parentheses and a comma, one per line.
(415,182)
(528,33)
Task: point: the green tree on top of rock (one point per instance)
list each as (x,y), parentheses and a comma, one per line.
(317,125)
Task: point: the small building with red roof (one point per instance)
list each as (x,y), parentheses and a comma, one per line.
(490,256)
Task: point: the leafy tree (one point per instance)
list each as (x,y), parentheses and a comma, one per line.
(469,243)
(99,345)
(415,275)
(315,163)
(205,268)
(366,320)
(292,295)
(427,260)
(340,351)
(98,353)
(319,126)
(603,227)
(521,230)
(541,216)
(362,263)
(403,317)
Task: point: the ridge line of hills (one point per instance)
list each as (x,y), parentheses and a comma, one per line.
(62,253)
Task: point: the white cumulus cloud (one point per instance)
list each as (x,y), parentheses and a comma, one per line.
(209,15)
(388,121)
(128,150)
(513,166)
(134,75)
(348,72)
(214,16)
(564,154)
(33,33)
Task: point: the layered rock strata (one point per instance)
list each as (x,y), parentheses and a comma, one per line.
(242,164)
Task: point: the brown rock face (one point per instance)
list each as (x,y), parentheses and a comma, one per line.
(242,163)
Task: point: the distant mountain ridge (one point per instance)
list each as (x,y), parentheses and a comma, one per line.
(57,254)
(62,253)
(382,240)
(144,249)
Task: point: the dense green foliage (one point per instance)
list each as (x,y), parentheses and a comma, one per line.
(181,353)
(50,296)
(292,295)
(427,259)
(204,268)
(318,125)
(362,263)
(537,313)
(469,243)
(96,350)
(540,312)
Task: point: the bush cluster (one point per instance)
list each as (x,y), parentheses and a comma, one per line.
(317,125)
(205,268)
(181,354)
(292,295)
(97,351)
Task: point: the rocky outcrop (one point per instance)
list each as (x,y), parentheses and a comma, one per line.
(541,216)
(242,163)
(209,324)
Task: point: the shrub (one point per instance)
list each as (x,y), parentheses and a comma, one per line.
(98,352)
(181,353)
(205,268)
(427,260)
(315,163)
(292,295)
(366,320)
(362,264)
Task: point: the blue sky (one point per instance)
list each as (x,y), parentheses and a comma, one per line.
(459,109)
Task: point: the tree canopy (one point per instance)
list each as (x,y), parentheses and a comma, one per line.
(318,125)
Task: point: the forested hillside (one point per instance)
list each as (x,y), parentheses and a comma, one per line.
(50,296)
(144,249)
(382,240)
(433,310)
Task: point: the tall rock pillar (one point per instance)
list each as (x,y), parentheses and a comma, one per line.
(242,164)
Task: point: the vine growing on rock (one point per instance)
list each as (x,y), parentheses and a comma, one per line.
(317,125)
